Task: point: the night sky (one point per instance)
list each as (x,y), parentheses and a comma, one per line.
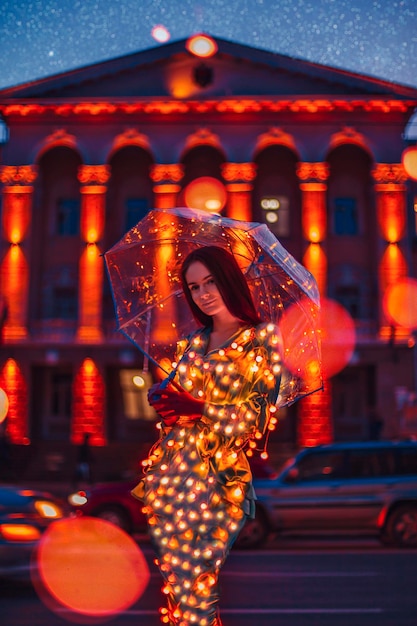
(45,37)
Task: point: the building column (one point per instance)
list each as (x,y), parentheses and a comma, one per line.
(239,179)
(391,202)
(166,188)
(89,402)
(315,425)
(93,179)
(15,385)
(17,212)
(313,185)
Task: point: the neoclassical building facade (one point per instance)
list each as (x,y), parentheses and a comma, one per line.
(312,151)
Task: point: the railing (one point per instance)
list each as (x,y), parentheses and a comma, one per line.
(65,331)
(53,330)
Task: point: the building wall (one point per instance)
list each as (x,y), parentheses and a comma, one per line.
(73,183)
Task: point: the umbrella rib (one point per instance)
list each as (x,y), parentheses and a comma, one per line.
(145,354)
(143,304)
(149,309)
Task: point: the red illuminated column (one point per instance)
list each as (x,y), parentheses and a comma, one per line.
(89,405)
(14,384)
(93,179)
(313,177)
(166,180)
(390,193)
(239,179)
(14,272)
(315,424)
(315,260)
(166,190)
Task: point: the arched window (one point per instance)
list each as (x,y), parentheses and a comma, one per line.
(129,194)
(276,194)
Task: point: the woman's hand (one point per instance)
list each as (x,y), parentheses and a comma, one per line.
(172,402)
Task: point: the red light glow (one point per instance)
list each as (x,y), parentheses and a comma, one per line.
(19,532)
(90,567)
(298,337)
(337,334)
(400,303)
(205,193)
(4,405)
(409,161)
(201,46)
(14,384)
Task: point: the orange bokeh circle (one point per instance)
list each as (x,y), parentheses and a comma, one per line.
(205,193)
(201,45)
(299,330)
(338,336)
(335,330)
(400,303)
(90,567)
(409,161)
(4,405)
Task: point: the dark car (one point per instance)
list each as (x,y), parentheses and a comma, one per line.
(343,488)
(24,515)
(113,502)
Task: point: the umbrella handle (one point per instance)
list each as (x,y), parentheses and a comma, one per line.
(169,380)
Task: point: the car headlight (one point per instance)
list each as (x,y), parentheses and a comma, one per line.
(48,509)
(79,498)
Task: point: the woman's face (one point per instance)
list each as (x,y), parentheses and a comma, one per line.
(204,290)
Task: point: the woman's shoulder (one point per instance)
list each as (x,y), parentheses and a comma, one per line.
(195,338)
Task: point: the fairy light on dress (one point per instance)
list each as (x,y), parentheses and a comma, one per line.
(197,487)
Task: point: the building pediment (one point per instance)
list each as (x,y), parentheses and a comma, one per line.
(170,71)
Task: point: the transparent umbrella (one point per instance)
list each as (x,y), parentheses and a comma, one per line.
(151,310)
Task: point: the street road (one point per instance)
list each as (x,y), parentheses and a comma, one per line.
(292,584)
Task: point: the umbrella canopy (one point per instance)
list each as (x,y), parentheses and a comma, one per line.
(151,310)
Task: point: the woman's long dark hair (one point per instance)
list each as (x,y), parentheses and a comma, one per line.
(229,280)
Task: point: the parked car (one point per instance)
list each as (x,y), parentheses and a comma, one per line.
(342,488)
(24,515)
(113,502)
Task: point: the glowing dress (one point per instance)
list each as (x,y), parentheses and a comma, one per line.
(197,488)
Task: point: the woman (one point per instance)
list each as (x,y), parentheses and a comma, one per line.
(197,489)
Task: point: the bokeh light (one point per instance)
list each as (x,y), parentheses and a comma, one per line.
(409,161)
(4,405)
(400,303)
(201,46)
(338,336)
(299,339)
(160,33)
(205,193)
(89,567)
(336,331)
